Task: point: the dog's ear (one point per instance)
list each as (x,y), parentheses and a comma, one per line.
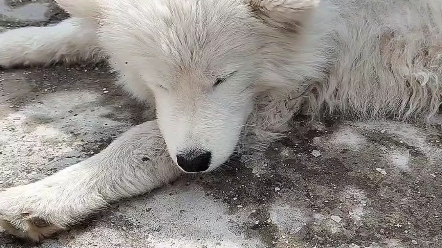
(286,14)
(81,8)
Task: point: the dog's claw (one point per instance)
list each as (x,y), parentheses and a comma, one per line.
(30,228)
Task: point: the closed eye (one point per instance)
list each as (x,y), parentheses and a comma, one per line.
(162,87)
(221,80)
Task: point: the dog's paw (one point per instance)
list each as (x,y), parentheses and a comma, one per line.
(21,214)
(34,229)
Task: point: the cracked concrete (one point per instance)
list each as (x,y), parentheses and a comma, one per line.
(327,184)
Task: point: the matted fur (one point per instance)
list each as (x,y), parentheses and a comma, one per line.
(368,59)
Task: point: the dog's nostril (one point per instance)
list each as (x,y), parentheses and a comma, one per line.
(194,162)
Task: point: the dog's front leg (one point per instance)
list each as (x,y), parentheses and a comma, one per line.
(70,41)
(133,164)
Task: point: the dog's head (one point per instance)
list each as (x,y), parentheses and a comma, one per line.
(200,58)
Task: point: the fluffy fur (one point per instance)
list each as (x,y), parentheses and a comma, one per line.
(271,58)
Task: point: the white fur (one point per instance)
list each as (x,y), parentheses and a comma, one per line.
(70,41)
(133,164)
(369,59)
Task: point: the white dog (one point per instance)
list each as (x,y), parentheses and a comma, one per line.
(222,73)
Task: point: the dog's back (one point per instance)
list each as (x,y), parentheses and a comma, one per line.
(386,58)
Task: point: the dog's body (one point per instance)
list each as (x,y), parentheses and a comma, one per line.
(214,67)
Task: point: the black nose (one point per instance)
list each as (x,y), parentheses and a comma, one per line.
(194,161)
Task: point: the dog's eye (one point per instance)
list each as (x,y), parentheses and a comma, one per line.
(162,87)
(221,80)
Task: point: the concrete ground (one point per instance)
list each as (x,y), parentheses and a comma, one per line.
(328,184)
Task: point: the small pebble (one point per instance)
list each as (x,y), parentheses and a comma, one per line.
(336,218)
(382,171)
(316,153)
